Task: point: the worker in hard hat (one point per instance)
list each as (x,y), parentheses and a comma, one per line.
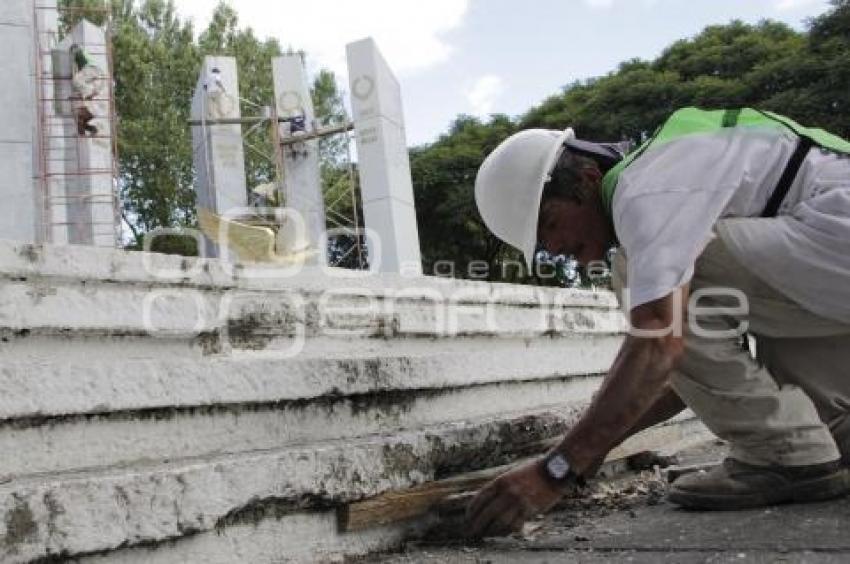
(729,223)
(221,103)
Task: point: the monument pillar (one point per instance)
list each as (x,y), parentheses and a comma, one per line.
(386,186)
(302,186)
(19,212)
(82,197)
(218,154)
(56,186)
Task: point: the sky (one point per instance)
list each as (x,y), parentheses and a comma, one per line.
(480,57)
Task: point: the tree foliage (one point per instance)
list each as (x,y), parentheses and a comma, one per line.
(450,228)
(155,64)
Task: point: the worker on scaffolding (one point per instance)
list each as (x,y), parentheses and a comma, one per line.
(733,226)
(87,83)
(221,103)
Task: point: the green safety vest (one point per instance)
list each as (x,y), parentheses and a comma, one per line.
(694,121)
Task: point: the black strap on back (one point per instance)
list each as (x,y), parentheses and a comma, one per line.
(804,145)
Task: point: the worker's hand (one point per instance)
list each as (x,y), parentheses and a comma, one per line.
(507,502)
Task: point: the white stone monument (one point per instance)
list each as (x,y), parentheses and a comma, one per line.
(302,186)
(386,186)
(80,188)
(56,186)
(20,210)
(217,149)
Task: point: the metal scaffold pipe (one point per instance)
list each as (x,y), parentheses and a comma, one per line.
(251,120)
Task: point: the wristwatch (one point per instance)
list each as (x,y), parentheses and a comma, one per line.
(557,470)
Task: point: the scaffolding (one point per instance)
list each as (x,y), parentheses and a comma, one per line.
(77,174)
(335,218)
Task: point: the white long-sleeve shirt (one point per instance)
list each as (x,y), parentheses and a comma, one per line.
(669,200)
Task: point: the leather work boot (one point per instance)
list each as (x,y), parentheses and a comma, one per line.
(737,485)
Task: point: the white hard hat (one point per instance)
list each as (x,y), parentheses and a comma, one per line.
(510,184)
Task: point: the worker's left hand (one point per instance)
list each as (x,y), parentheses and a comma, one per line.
(507,502)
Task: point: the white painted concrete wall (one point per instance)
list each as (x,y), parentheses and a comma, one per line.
(19,213)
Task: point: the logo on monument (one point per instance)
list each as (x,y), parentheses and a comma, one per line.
(290,103)
(362,87)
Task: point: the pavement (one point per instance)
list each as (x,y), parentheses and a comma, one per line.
(627,520)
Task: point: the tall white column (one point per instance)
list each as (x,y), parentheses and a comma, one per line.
(218,153)
(302,186)
(386,186)
(19,213)
(90,207)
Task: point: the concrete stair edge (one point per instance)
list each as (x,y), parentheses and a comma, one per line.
(93,512)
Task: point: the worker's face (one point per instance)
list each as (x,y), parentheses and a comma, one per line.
(571,228)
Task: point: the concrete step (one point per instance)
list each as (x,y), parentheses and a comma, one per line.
(268,536)
(252,497)
(85,512)
(90,376)
(44,445)
(246,319)
(50,290)
(73,264)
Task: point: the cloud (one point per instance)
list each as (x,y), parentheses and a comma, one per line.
(411,35)
(483,93)
(604,4)
(788,5)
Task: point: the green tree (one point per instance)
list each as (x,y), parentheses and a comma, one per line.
(818,91)
(330,111)
(155,60)
(96,11)
(450,228)
(338,174)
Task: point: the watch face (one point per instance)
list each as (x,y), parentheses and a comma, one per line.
(557,466)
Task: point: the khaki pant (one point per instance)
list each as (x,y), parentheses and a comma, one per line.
(791,406)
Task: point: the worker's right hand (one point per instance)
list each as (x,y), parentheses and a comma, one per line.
(506,503)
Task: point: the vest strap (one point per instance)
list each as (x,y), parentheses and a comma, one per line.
(804,145)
